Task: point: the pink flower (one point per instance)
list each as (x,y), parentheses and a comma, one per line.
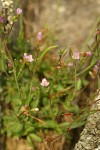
(76,55)
(1,19)
(95,69)
(18,11)
(28,57)
(44,82)
(39,36)
(87,54)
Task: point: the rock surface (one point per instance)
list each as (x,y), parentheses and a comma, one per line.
(90,136)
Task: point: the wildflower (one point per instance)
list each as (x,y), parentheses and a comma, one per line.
(76,55)
(18,11)
(28,57)
(44,82)
(95,69)
(94,72)
(1,19)
(39,36)
(87,54)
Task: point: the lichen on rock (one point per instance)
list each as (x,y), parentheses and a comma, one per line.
(90,136)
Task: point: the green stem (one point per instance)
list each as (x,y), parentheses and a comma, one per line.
(98,81)
(87,69)
(20,70)
(11,59)
(75,82)
(32,80)
(16,80)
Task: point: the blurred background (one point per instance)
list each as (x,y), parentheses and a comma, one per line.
(73,22)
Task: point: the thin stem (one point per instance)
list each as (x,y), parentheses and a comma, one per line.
(88,68)
(32,80)
(98,81)
(39,120)
(75,82)
(10,31)
(11,59)
(20,70)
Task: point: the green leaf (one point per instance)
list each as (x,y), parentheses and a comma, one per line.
(77,124)
(64,124)
(45,51)
(55,111)
(75,109)
(51,124)
(14,128)
(84,82)
(35,137)
(78,84)
(29,139)
(71,108)
(35,103)
(29,129)
(2,63)
(17,127)
(62,52)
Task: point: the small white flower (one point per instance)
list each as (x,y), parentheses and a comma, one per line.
(28,57)
(44,82)
(35,109)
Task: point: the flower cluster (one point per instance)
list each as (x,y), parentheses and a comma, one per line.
(7,9)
